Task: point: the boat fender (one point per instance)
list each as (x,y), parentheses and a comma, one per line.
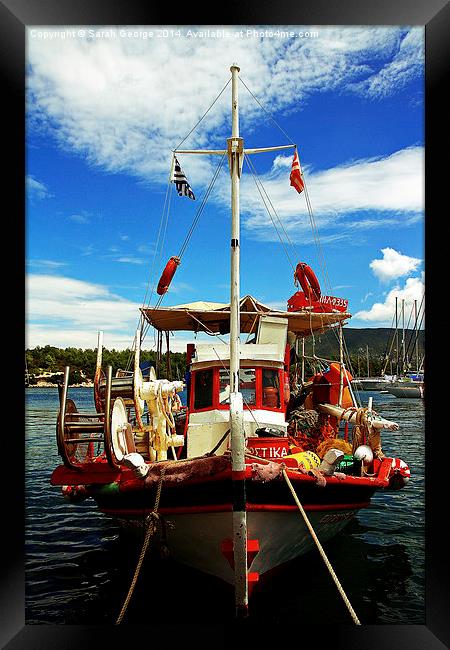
(364,453)
(308,281)
(74,493)
(136,462)
(399,474)
(306,459)
(167,275)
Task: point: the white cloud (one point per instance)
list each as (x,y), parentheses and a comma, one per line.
(382,314)
(36,189)
(130,260)
(123,104)
(65,312)
(404,65)
(49,265)
(392,185)
(393,265)
(79,218)
(57,306)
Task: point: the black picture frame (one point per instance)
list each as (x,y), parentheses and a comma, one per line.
(15,16)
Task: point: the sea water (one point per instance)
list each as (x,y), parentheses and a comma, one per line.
(79,562)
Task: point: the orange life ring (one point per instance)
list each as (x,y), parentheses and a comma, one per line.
(308,281)
(167,275)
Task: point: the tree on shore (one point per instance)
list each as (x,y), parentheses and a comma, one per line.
(49,360)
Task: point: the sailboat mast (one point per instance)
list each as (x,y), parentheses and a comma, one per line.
(235,159)
(235,153)
(396,334)
(417,334)
(403,338)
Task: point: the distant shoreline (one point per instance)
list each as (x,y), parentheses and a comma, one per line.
(47,384)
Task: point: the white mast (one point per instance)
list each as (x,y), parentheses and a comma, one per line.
(235,159)
(403,338)
(235,151)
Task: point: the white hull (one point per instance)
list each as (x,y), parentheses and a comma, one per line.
(407,391)
(370,384)
(195,539)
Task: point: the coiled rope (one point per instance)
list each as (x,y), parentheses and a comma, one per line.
(321,551)
(151,527)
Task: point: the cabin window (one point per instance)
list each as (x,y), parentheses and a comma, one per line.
(224,386)
(270,388)
(247,385)
(203,396)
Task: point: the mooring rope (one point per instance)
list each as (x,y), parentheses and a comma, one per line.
(321,551)
(153,518)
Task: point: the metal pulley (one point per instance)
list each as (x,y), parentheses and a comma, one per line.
(121,431)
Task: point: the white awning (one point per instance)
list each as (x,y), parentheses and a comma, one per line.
(205,316)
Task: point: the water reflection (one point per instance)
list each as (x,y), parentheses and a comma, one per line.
(79,563)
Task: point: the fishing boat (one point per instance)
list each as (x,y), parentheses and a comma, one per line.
(257,466)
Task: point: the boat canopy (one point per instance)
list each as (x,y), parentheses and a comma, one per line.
(214,317)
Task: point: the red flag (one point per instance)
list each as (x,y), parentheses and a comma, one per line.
(296,178)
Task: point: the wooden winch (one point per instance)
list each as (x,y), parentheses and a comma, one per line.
(78,433)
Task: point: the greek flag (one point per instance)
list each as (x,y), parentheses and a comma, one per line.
(180,180)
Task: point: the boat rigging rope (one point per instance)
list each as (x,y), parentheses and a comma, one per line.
(158,253)
(321,551)
(265,110)
(308,202)
(151,527)
(320,254)
(202,207)
(165,215)
(260,187)
(204,115)
(191,229)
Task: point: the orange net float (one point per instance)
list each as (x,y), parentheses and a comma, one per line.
(308,281)
(167,275)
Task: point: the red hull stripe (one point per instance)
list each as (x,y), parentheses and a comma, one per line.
(227,507)
(238,475)
(101,473)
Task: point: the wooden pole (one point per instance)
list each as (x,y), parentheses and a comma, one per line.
(341,365)
(235,159)
(98,365)
(303,360)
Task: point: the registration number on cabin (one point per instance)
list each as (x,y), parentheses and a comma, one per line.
(334,302)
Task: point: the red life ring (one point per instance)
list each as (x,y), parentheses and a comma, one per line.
(167,275)
(308,281)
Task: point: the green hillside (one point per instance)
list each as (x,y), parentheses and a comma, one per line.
(378,343)
(49,360)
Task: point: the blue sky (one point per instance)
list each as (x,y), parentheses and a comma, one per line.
(105,107)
